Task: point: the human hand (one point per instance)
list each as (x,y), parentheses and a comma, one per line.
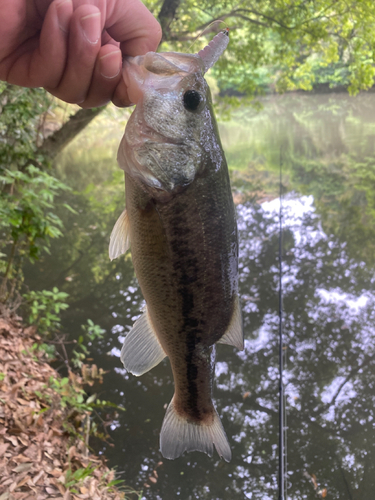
(74,48)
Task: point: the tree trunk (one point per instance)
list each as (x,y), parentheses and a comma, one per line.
(167,14)
(61,138)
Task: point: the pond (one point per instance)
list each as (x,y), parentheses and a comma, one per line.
(325,146)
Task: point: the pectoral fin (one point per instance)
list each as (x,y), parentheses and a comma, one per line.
(234,334)
(141,350)
(120,240)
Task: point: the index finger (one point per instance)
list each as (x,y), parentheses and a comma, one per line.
(133,25)
(137,30)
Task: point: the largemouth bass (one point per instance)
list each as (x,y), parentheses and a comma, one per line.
(181,225)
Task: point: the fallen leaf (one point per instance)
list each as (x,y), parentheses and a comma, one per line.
(51,491)
(12,439)
(24,481)
(71,452)
(20,459)
(40,420)
(24,439)
(38,476)
(4,325)
(55,472)
(3,449)
(13,486)
(32,452)
(23,467)
(59,486)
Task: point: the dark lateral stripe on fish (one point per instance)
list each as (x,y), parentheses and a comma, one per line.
(192,374)
(190,326)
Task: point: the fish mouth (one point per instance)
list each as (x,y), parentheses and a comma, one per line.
(134,77)
(145,70)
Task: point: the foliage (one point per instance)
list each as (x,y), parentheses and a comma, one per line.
(285,44)
(92,332)
(48,350)
(73,479)
(72,395)
(23,208)
(45,307)
(21,126)
(74,400)
(27,222)
(27,204)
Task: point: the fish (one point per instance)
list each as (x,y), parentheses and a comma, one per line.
(180,224)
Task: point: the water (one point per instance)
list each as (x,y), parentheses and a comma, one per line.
(326,146)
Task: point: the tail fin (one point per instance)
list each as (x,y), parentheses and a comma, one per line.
(179,435)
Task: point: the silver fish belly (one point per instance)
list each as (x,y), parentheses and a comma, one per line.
(181,226)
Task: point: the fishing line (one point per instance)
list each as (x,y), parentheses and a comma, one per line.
(285,432)
(281,350)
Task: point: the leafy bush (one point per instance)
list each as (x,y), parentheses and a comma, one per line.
(28,192)
(45,307)
(92,332)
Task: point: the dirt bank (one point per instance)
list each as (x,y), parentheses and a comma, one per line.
(43,451)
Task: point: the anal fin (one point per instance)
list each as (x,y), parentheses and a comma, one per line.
(141,350)
(234,334)
(119,241)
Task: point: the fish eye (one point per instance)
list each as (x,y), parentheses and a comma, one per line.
(192,99)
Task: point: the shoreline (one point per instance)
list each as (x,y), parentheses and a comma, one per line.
(44,450)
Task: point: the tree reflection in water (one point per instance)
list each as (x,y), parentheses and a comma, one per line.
(329,346)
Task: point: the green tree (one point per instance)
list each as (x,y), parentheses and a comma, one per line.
(296,41)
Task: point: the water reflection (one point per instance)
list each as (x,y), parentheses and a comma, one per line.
(329,300)
(329,317)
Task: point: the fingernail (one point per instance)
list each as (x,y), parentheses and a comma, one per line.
(91,27)
(110,64)
(64,13)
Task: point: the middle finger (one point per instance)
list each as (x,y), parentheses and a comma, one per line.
(84,46)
